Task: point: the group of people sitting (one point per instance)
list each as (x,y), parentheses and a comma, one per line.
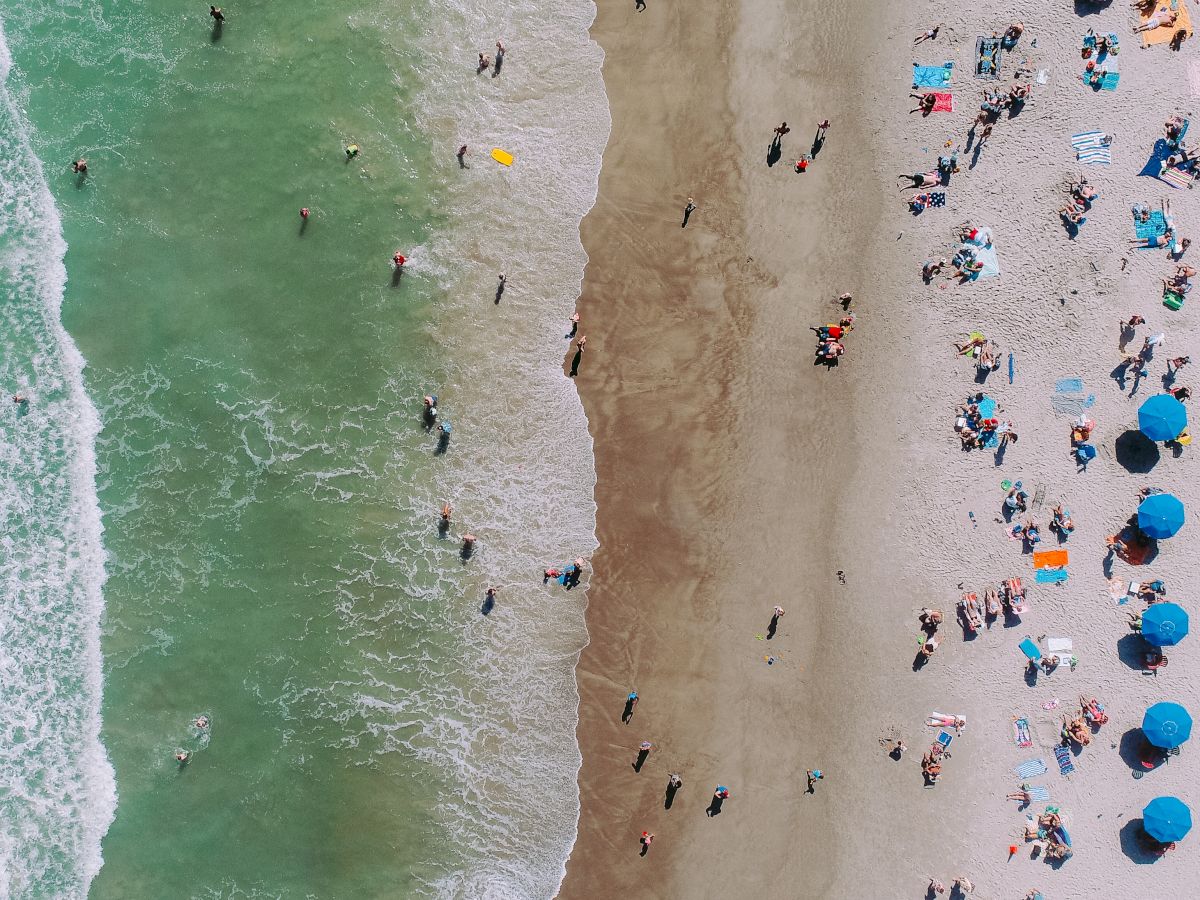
(1141,215)
(986,353)
(830,339)
(976,431)
(1081,196)
(1180,282)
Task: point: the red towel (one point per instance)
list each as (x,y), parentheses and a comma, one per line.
(945,103)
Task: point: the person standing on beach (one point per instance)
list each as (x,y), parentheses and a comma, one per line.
(462,151)
(580,344)
(780,131)
(630,705)
(814,775)
(574,326)
(774,624)
(643,752)
(687,212)
(647,837)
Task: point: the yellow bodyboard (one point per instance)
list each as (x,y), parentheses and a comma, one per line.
(502,156)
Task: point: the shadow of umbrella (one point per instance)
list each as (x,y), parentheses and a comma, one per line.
(1136,452)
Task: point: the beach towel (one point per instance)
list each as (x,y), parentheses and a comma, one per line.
(1157,225)
(1031,768)
(1030,649)
(1050,559)
(1021,733)
(937,199)
(1173,300)
(1063,756)
(944,103)
(1164,33)
(1068,385)
(1176,178)
(1059,646)
(987,57)
(944,738)
(987,407)
(932,76)
(1098,156)
(1051,576)
(1039,793)
(984,253)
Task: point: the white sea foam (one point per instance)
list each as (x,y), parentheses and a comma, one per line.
(57,793)
(520,469)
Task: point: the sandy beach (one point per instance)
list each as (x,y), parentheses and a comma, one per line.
(734,475)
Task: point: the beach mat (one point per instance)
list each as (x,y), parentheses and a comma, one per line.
(1039,793)
(937,199)
(1063,757)
(944,102)
(1164,33)
(1108,81)
(932,76)
(1176,178)
(1050,559)
(1021,733)
(1089,148)
(988,54)
(1068,385)
(1031,768)
(1157,225)
(1153,167)
(1051,576)
(985,254)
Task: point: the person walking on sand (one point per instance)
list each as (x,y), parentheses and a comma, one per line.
(780,131)
(774,623)
(814,775)
(1177,363)
(935,886)
(574,326)
(687,212)
(643,751)
(499,58)
(631,703)
(964,884)
(462,152)
(647,838)
(930,35)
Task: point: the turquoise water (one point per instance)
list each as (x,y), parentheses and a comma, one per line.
(267,489)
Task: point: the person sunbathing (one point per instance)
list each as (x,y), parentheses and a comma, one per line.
(1163,18)
(1180,393)
(1077,731)
(989,356)
(976,340)
(1019,94)
(1074,213)
(1085,192)
(1093,711)
(922,180)
(1061,521)
(1032,535)
(1174,128)
(1155,240)
(831,349)
(1049,821)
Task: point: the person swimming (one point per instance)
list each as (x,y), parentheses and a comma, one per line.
(399,259)
(183,757)
(202,721)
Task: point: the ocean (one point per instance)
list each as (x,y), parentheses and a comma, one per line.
(220,495)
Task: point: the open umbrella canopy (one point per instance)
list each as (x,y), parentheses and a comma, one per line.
(1162,418)
(1167,819)
(1167,725)
(1160,515)
(1164,624)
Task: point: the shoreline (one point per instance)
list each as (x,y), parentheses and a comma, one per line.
(685,326)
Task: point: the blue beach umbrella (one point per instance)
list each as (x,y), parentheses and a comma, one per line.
(1162,418)
(1167,725)
(1167,819)
(1160,515)
(1164,624)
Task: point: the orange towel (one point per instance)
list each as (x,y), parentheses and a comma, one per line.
(1050,559)
(1164,33)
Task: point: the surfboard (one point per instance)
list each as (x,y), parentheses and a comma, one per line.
(502,156)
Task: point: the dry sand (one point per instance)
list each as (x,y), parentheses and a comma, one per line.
(734,475)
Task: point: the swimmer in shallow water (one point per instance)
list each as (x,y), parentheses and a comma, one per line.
(182,757)
(202,722)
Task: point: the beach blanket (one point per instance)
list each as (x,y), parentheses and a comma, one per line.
(1031,768)
(1089,148)
(987,407)
(944,103)
(1039,793)
(1164,33)
(988,54)
(1051,576)
(1021,733)
(1050,559)
(984,253)
(932,76)
(1063,756)
(1156,226)
(1068,385)
(1030,649)
(1108,81)
(937,199)
(1154,166)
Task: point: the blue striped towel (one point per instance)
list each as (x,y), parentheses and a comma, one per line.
(1089,147)
(932,76)
(1031,768)
(1038,792)
(1063,756)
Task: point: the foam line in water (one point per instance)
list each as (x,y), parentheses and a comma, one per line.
(55,777)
